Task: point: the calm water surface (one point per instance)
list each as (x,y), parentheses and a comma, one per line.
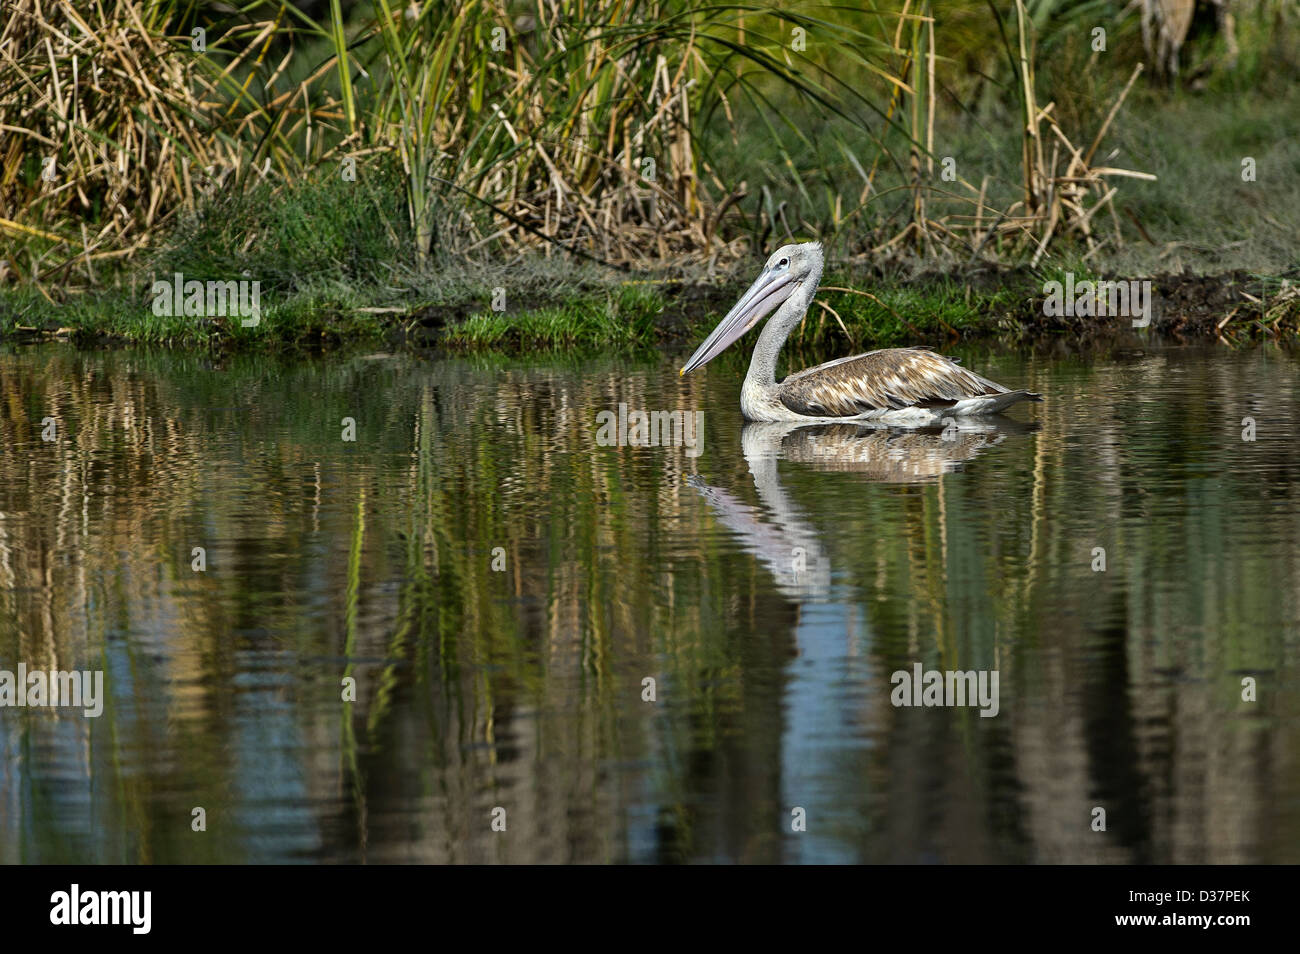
(500,587)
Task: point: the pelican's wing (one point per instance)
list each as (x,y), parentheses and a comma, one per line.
(880,380)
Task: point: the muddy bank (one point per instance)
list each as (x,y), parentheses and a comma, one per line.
(1232,305)
(1183,305)
(1007,302)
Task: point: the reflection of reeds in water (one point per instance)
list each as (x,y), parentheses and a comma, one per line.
(522,688)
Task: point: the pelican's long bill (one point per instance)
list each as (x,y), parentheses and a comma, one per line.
(770,289)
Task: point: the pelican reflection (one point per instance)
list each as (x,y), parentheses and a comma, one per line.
(780,536)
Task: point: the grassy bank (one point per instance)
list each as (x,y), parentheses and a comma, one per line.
(334,265)
(390,178)
(859,308)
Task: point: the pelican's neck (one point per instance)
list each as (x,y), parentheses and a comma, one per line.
(762,366)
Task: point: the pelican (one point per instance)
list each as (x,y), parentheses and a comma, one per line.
(898,386)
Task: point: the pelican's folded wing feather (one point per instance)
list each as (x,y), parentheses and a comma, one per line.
(882,380)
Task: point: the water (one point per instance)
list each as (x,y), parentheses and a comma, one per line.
(770,586)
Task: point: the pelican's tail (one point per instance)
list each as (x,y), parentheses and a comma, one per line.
(990,403)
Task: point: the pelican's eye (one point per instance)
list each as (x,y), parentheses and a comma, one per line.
(784,263)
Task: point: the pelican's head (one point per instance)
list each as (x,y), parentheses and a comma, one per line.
(787,269)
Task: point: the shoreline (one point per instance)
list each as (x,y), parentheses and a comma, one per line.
(934,307)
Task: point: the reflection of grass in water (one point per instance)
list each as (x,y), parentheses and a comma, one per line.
(349,740)
(599,590)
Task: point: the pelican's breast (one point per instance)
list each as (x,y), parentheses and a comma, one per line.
(758,403)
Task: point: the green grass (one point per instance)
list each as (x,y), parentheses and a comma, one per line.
(318,232)
(627,316)
(307,317)
(1199,213)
